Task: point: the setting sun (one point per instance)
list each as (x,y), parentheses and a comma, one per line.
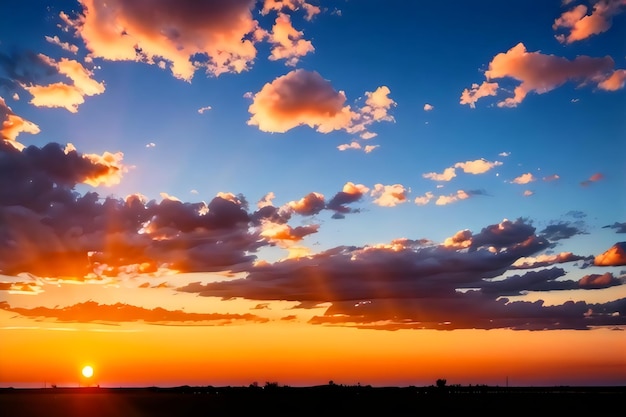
(87,371)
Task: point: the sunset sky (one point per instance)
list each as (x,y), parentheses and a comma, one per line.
(377,192)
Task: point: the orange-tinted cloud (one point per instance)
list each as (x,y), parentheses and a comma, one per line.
(479,166)
(616,255)
(389,195)
(288,42)
(91,311)
(428,107)
(615,82)
(544,260)
(424,199)
(446,175)
(471,96)
(443,200)
(524,178)
(11,125)
(171,33)
(541,73)
(68,96)
(582,25)
(302,98)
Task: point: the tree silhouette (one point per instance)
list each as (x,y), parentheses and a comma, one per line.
(441,383)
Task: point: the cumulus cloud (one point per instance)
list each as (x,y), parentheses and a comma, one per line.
(11,125)
(59,94)
(541,73)
(305,98)
(351,193)
(201,110)
(185,35)
(287,42)
(389,195)
(428,107)
(614,256)
(357,146)
(293,5)
(479,166)
(409,284)
(443,200)
(597,281)
(524,179)
(582,25)
(446,175)
(471,96)
(424,199)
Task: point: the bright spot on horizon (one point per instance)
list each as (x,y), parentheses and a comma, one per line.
(87,371)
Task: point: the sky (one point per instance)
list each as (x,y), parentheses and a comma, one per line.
(298,191)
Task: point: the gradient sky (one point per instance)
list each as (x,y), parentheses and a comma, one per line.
(386,193)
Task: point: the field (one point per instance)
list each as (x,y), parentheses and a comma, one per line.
(330,400)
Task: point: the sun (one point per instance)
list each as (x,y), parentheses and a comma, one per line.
(87,371)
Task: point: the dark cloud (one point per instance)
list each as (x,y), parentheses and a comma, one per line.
(543,280)
(24,68)
(472,311)
(398,271)
(91,311)
(563,230)
(503,234)
(619,227)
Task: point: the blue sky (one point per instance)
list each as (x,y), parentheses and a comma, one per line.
(364,96)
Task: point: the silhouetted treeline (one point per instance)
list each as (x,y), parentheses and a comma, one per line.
(324,400)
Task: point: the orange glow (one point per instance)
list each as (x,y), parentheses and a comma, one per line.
(296,353)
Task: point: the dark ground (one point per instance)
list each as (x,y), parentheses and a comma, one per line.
(328,400)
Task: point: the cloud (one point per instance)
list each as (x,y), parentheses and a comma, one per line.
(351,193)
(545,260)
(304,98)
(615,82)
(411,284)
(479,166)
(186,35)
(68,96)
(597,281)
(424,199)
(150,145)
(459,195)
(64,45)
(560,231)
(528,193)
(598,176)
(614,256)
(11,125)
(619,227)
(201,110)
(446,175)
(552,177)
(582,25)
(504,154)
(288,43)
(357,146)
(524,179)
(293,5)
(389,195)
(540,73)
(308,205)
(471,96)
(90,312)
(300,98)
(428,107)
